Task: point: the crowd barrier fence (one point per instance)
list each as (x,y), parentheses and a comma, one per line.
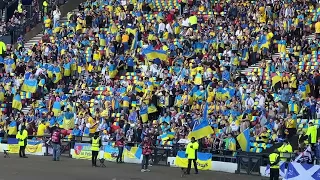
(164,155)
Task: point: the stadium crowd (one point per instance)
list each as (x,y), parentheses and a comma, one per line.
(129,69)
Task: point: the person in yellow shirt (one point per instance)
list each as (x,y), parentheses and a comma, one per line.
(22,137)
(291,125)
(41,128)
(191,154)
(317,29)
(93,125)
(47,22)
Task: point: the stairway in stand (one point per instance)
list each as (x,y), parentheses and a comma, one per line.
(26,107)
(248,71)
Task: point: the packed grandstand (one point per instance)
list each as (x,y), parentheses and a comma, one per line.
(246,69)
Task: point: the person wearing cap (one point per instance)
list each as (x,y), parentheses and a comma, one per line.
(191,154)
(274,160)
(95,148)
(22,137)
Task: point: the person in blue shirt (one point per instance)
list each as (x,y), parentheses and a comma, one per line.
(76,131)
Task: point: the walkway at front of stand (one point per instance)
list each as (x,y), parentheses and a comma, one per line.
(41,167)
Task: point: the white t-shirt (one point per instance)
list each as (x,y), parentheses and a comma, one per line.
(185,22)
(56,14)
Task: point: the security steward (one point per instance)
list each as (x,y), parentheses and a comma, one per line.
(22,137)
(312,133)
(191,154)
(285,148)
(274,160)
(95,148)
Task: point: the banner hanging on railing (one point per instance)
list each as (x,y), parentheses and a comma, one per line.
(82,151)
(33,147)
(203,160)
(110,153)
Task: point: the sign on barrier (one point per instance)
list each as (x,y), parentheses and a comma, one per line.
(82,151)
(34,147)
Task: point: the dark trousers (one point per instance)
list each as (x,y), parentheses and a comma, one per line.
(22,151)
(274,174)
(194,164)
(119,157)
(145,161)
(94,157)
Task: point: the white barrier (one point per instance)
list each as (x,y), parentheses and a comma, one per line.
(42,153)
(215,166)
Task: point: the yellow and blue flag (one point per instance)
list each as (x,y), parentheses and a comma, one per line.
(110,153)
(203,161)
(56,108)
(166,136)
(30,85)
(133,152)
(135,41)
(12,129)
(244,140)
(152,109)
(202,128)
(68,120)
(155,54)
(16,103)
(144,113)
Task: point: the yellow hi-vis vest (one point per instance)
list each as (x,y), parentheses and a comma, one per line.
(22,137)
(95,144)
(273,158)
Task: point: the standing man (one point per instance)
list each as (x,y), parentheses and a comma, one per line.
(191,154)
(146,146)
(95,148)
(120,144)
(274,160)
(56,142)
(22,137)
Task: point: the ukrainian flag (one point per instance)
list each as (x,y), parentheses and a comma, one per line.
(30,85)
(13,128)
(202,128)
(167,136)
(42,82)
(135,41)
(203,160)
(154,54)
(16,103)
(152,109)
(144,113)
(110,153)
(133,152)
(244,140)
(68,120)
(57,72)
(138,88)
(56,108)
(113,71)
(134,103)
(67,69)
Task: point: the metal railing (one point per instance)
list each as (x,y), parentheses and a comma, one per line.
(247,162)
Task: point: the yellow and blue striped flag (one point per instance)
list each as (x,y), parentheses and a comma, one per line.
(30,85)
(202,128)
